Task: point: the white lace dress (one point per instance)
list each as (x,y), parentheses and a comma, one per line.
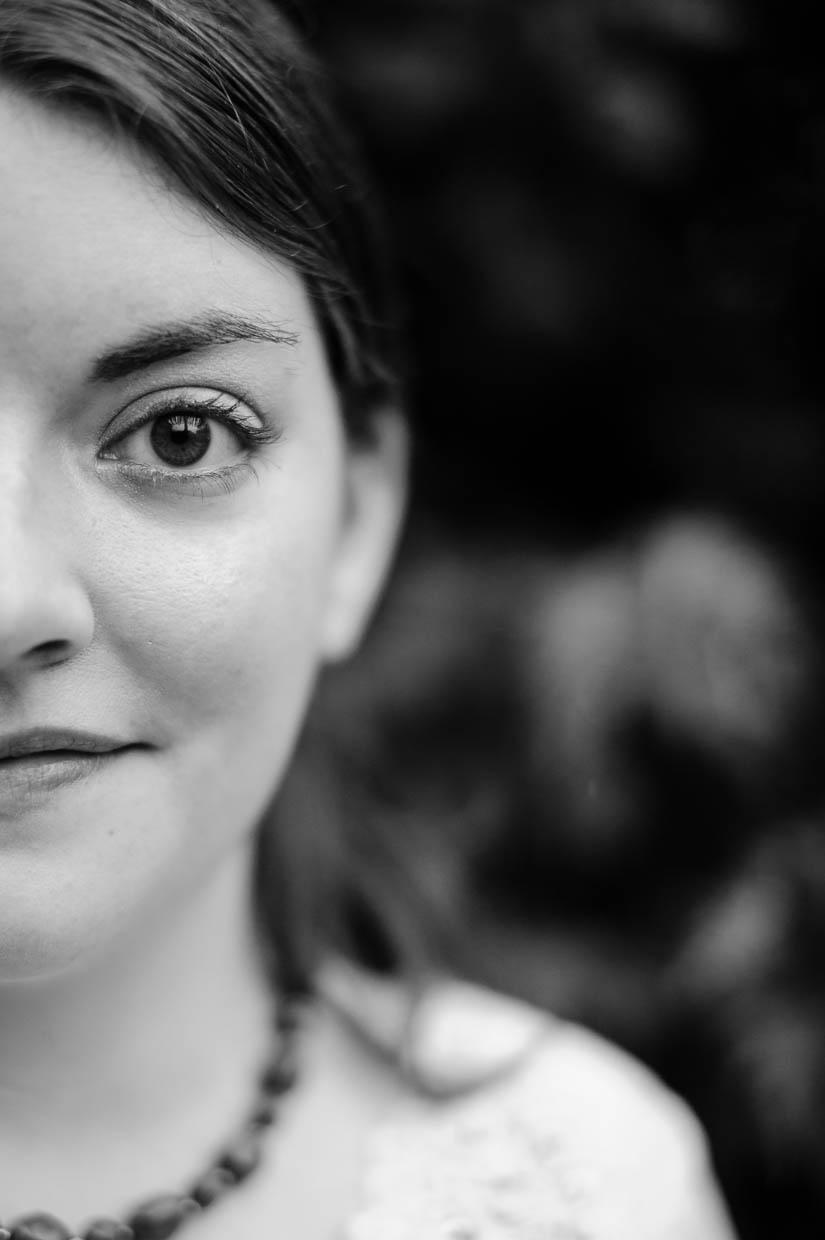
(522,1128)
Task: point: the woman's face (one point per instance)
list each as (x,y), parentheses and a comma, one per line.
(184,534)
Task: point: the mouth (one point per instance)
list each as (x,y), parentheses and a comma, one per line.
(57,744)
(43,760)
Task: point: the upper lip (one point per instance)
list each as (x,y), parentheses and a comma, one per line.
(45,740)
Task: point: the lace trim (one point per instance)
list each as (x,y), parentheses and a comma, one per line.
(484,1171)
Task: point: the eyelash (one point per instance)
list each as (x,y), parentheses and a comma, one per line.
(251,436)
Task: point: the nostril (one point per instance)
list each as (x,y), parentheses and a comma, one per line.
(46,614)
(51,652)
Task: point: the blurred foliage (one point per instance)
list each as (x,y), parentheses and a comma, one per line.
(592,713)
(608,215)
(600,778)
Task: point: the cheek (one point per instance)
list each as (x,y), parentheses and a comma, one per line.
(206,645)
(212,624)
(208,622)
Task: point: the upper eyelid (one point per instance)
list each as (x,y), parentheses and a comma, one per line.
(180,397)
(264,384)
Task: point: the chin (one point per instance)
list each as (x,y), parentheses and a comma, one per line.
(55,913)
(31,950)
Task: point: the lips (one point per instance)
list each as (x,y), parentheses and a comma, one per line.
(42,762)
(57,742)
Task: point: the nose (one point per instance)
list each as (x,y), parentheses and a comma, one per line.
(46,614)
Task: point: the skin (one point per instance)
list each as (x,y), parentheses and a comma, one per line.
(188,619)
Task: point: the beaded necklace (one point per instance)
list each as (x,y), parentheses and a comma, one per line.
(161,1216)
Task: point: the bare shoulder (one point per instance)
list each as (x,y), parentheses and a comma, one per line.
(529,1127)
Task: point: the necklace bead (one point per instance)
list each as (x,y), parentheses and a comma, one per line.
(160,1217)
(279,1077)
(213,1184)
(108,1229)
(243,1156)
(265,1113)
(40,1227)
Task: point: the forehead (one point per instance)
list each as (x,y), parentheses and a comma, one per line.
(93,244)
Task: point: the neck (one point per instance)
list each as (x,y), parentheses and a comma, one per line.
(125,1076)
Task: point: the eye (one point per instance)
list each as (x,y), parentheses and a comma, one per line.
(179,441)
(187,430)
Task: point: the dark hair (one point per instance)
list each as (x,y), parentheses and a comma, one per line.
(225,98)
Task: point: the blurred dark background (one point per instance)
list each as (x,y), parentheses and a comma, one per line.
(592,707)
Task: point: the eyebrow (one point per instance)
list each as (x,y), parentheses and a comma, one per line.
(170,340)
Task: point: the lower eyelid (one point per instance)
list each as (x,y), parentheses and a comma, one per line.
(214,481)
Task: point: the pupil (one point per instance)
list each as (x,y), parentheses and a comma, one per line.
(181,439)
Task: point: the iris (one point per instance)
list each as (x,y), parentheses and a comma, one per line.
(181,439)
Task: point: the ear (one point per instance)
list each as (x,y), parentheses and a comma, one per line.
(374,504)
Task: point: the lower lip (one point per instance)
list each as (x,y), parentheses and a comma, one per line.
(32,776)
